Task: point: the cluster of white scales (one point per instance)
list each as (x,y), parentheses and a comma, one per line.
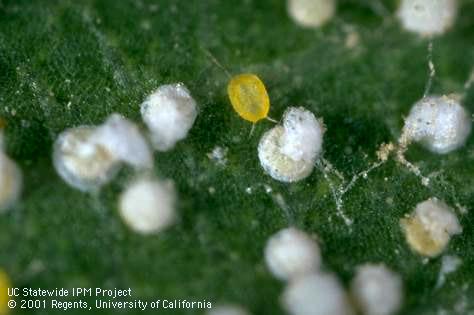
(88,157)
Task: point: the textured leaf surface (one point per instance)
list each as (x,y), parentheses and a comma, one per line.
(67,63)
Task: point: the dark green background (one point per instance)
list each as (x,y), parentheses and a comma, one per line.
(107,56)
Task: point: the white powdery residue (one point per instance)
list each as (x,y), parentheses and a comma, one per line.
(267,188)
(352,40)
(218,155)
(449,264)
(280,201)
(278,165)
(427,17)
(10,182)
(148,206)
(80,161)
(288,153)
(291,253)
(377,290)
(228,309)
(169,112)
(462,209)
(316,294)
(438,218)
(303,137)
(429,229)
(311,13)
(440,123)
(122,138)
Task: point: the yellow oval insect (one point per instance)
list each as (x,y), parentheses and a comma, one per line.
(4,285)
(249,97)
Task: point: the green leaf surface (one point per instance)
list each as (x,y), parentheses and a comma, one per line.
(69,63)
